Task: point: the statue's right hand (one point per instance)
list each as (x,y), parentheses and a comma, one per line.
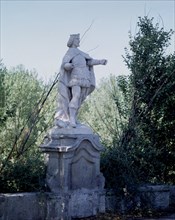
(68,66)
(103,62)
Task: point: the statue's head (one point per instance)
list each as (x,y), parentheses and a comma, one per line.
(73,39)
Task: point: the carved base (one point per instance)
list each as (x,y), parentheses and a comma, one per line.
(75,204)
(73,172)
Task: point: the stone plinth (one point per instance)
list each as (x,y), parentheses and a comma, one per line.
(155,196)
(73,173)
(23,206)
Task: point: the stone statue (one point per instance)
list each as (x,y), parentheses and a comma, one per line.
(76,82)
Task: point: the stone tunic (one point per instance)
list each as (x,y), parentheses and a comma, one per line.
(80,75)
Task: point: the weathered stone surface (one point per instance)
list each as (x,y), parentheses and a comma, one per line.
(22,206)
(74,161)
(80,129)
(2,205)
(76,82)
(51,206)
(172,196)
(86,203)
(155,196)
(75,204)
(73,173)
(57,207)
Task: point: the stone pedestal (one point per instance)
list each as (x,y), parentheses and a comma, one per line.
(73,173)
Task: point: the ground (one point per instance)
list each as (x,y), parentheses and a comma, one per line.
(170,215)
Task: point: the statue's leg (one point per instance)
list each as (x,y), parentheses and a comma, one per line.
(74,104)
(72,112)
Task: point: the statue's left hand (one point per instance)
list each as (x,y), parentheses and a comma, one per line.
(68,66)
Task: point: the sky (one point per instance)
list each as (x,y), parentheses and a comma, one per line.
(35,33)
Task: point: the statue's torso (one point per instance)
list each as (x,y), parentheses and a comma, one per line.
(80,74)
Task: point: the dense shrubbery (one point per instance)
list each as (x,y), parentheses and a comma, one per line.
(26,174)
(24,120)
(149,134)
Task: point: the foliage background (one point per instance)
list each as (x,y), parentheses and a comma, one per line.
(138,126)
(24,122)
(134,116)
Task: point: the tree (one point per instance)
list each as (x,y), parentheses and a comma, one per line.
(151,123)
(2,95)
(29,113)
(140,146)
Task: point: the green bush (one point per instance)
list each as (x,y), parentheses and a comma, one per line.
(25,117)
(25,175)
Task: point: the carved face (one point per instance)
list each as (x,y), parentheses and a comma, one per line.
(76,41)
